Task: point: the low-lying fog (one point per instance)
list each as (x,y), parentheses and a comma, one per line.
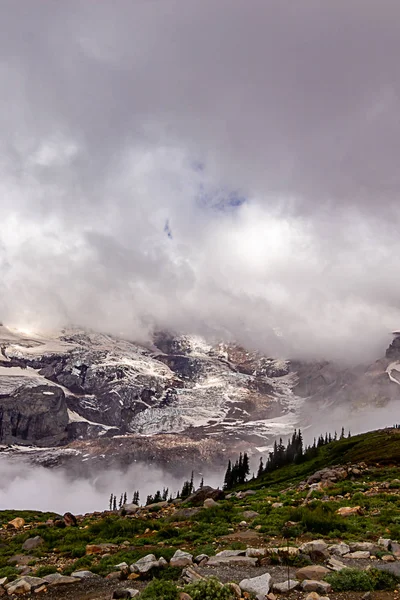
(26,486)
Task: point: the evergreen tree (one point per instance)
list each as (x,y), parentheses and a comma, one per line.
(125,498)
(260,468)
(228,477)
(202,483)
(115,502)
(120,501)
(342,434)
(111,501)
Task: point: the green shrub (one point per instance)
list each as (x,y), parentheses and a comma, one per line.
(9,572)
(353,580)
(159,589)
(350,580)
(382,580)
(209,589)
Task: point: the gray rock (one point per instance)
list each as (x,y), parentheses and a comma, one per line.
(209,503)
(32,543)
(360,554)
(334,564)
(58,579)
(249,515)
(363,547)
(256,552)
(200,557)
(129,509)
(257,585)
(339,549)
(385,543)
(122,566)
(181,559)
(198,497)
(285,586)
(225,553)
(145,564)
(85,575)
(244,561)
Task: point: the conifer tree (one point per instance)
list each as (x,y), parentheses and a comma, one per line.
(115,502)
(111,501)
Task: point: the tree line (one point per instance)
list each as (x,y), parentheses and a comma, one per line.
(293,452)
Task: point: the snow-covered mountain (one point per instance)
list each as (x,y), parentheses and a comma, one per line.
(89,393)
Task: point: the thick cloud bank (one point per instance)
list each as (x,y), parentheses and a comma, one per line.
(24,486)
(224,168)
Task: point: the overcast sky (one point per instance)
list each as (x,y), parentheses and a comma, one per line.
(222,167)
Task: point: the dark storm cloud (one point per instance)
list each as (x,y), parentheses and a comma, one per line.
(107,108)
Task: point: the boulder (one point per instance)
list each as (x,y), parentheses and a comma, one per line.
(70,519)
(364,547)
(225,553)
(277,505)
(285,586)
(200,558)
(116,575)
(190,575)
(348,511)
(209,503)
(100,548)
(19,586)
(129,509)
(244,561)
(334,564)
(316,572)
(156,506)
(339,549)
(181,559)
(57,579)
(316,550)
(249,515)
(256,552)
(360,554)
(235,589)
(321,587)
(385,543)
(85,575)
(18,523)
(184,596)
(198,497)
(388,558)
(145,564)
(32,543)
(257,585)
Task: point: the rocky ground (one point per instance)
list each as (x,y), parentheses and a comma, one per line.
(308,525)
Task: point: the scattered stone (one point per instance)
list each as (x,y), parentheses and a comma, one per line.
(243,524)
(122,566)
(156,506)
(19,586)
(190,575)
(311,585)
(385,542)
(249,515)
(18,523)
(129,509)
(40,590)
(145,564)
(116,575)
(184,596)
(200,558)
(359,555)
(225,553)
(181,559)
(70,520)
(271,596)
(125,593)
(315,572)
(388,558)
(285,586)
(366,596)
(363,547)
(20,559)
(32,543)
(209,503)
(288,551)
(348,511)
(339,549)
(100,548)
(316,550)
(3,580)
(256,552)
(257,585)
(277,505)
(198,497)
(58,579)
(335,565)
(186,513)
(244,561)
(85,575)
